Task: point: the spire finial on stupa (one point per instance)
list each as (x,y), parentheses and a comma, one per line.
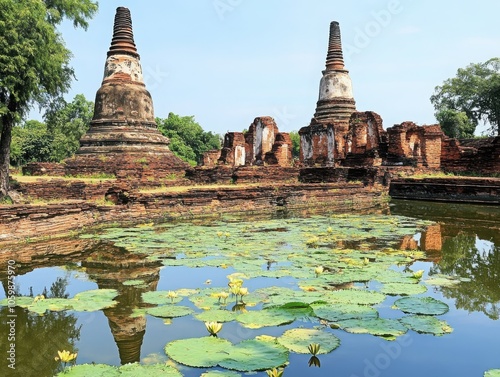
(335,58)
(123,35)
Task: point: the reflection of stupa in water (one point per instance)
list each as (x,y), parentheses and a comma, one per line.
(110,267)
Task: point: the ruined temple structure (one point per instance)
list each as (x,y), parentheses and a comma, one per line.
(123,138)
(471,155)
(366,140)
(262,144)
(323,141)
(413,145)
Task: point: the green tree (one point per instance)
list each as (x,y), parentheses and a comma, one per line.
(475,91)
(31,142)
(187,139)
(67,123)
(455,123)
(34,62)
(294,135)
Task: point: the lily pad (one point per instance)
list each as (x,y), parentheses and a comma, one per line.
(138,370)
(297,340)
(216,316)
(354,296)
(421,305)
(403,289)
(256,319)
(204,352)
(169,311)
(341,312)
(218,373)
(426,324)
(94,370)
(492,373)
(255,355)
(136,282)
(160,298)
(386,328)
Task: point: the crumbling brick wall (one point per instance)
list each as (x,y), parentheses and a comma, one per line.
(233,151)
(410,144)
(281,153)
(471,155)
(317,145)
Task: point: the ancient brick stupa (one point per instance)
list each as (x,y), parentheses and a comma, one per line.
(323,140)
(123,135)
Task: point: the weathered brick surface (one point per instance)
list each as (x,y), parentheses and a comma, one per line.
(476,155)
(366,141)
(21,221)
(469,190)
(261,144)
(420,146)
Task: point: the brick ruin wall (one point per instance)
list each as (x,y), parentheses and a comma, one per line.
(474,156)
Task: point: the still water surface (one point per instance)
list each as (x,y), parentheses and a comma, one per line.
(463,241)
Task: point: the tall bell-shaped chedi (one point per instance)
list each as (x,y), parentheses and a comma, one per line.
(123,129)
(323,141)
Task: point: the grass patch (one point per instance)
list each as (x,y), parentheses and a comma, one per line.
(87,179)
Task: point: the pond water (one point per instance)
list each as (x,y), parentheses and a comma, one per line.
(349,282)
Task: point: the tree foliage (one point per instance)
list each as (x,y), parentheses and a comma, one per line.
(34,62)
(294,135)
(474,91)
(455,123)
(187,139)
(57,138)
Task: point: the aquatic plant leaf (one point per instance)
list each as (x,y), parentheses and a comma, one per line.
(94,300)
(169,311)
(160,298)
(22,301)
(97,295)
(204,352)
(421,305)
(138,370)
(354,296)
(341,312)
(218,373)
(426,324)
(492,373)
(442,281)
(216,315)
(256,319)
(298,340)
(94,370)
(386,328)
(403,289)
(255,355)
(134,282)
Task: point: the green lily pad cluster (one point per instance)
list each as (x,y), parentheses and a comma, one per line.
(249,355)
(128,370)
(319,270)
(87,301)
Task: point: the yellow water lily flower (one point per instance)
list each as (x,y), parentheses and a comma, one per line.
(275,372)
(319,270)
(243,291)
(38,298)
(66,356)
(418,274)
(220,234)
(213,327)
(313,348)
(171,295)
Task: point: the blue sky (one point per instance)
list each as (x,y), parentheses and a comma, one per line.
(229,61)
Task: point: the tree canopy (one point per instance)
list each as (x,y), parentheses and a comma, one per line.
(187,139)
(475,91)
(34,61)
(57,138)
(455,123)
